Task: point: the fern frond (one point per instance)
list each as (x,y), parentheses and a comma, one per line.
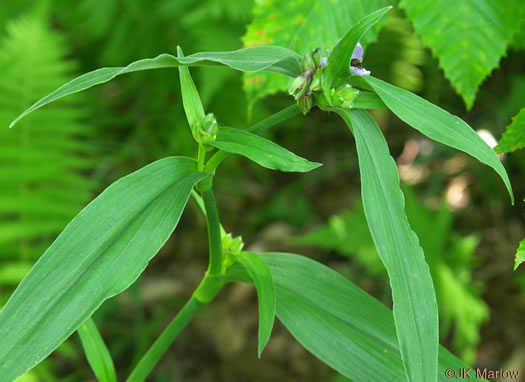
(44,159)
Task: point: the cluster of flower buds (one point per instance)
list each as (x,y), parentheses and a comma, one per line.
(231,244)
(206,130)
(308,82)
(343,96)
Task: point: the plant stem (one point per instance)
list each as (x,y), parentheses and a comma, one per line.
(201,156)
(214,232)
(207,290)
(258,128)
(164,341)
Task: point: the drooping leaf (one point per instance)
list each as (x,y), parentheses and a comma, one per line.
(302,26)
(338,65)
(468,37)
(514,136)
(451,258)
(262,279)
(339,323)
(437,124)
(98,255)
(96,352)
(269,58)
(414,299)
(520,255)
(190,96)
(260,150)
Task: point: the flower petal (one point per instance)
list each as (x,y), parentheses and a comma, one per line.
(358,52)
(359,71)
(323,62)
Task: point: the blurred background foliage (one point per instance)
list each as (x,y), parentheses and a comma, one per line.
(58,159)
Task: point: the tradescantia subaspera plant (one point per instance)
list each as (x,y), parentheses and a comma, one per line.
(107,246)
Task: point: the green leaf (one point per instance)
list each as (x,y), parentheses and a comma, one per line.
(98,255)
(438,124)
(96,352)
(468,37)
(190,96)
(338,65)
(367,100)
(269,58)
(339,323)
(302,26)
(260,150)
(520,255)
(262,279)
(414,299)
(514,136)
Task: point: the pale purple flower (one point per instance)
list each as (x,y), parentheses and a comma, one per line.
(356,68)
(323,62)
(359,71)
(358,52)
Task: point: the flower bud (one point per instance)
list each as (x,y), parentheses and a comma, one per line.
(206,130)
(316,82)
(298,87)
(343,96)
(308,62)
(231,244)
(305,103)
(316,56)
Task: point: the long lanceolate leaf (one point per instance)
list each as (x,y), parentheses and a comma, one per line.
(438,124)
(415,307)
(339,323)
(339,60)
(99,254)
(96,352)
(260,150)
(269,58)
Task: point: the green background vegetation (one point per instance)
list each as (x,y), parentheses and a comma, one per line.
(58,159)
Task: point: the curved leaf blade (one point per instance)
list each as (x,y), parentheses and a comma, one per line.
(270,58)
(99,254)
(260,150)
(414,299)
(338,65)
(353,332)
(438,124)
(96,352)
(262,279)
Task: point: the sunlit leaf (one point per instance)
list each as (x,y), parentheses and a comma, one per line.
(437,124)
(260,150)
(269,58)
(468,37)
(414,299)
(520,255)
(339,323)
(514,137)
(98,255)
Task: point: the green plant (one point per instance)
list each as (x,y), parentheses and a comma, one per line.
(44,161)
(117,234)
